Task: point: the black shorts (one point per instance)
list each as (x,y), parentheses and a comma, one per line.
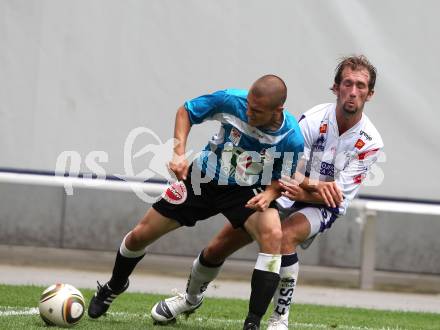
(179,202)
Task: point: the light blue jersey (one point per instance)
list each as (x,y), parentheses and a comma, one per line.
(240,153)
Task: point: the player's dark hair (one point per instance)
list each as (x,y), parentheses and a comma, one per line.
(272,85)
(356,62)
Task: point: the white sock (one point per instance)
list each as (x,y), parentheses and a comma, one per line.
(199,279)
(268,262)
(288,276)
(124,251)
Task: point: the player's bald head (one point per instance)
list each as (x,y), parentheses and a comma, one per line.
(271,87)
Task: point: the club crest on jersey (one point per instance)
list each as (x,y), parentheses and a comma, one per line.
(323,128)
(176,193)
(235,136)
(359,144)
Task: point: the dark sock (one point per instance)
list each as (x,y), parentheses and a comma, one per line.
(263,286)
(122,270)
(289,259)
(206,263)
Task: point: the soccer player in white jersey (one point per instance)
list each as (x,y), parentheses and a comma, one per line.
(237,175)
(340,146)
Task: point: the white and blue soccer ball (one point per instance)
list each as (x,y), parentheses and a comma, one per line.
(61,305)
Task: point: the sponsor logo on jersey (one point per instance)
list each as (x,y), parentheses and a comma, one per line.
(318,147)
(176,193)
(319,144)
(327,169)
(359,144)
(321,139)
(323,129)
(242,163)
(363,133)
(235,136)
(247,166)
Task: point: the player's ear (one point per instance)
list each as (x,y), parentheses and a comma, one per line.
(335,89)
(370,95)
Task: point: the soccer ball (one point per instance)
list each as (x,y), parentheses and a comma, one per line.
(61,305)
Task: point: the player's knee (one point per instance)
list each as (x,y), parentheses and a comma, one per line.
(138,238)
(290,240)
(271,238)
(133,241)
(276,234)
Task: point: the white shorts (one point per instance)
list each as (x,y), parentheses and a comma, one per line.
(320,220)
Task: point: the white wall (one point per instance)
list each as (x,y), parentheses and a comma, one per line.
(79,75)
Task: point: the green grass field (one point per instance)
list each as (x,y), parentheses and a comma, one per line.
(18,310)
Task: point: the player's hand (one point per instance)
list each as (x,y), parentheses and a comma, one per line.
(291,188)
(259,202)
(330,193)
(179,166)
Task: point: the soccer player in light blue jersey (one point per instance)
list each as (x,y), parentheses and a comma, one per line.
(340,147)
(236,174)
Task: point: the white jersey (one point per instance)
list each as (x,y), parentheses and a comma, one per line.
(328,156)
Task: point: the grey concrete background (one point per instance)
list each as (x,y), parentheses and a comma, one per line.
(93,219)
(80,75)
(31,215)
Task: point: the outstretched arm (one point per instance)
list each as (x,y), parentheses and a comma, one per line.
(319,192)
(179,164)
(262,201)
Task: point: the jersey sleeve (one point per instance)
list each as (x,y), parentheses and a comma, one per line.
(205,106)
(308,142)
(351,177)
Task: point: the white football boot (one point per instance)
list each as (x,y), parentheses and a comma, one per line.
(166,311)
(278,322)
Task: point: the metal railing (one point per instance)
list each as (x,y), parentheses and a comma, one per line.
(365,205)
(368,209)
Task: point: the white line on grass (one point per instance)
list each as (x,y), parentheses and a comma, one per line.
(14,311)
(292,324)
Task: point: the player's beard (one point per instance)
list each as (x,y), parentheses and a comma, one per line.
(350,111)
